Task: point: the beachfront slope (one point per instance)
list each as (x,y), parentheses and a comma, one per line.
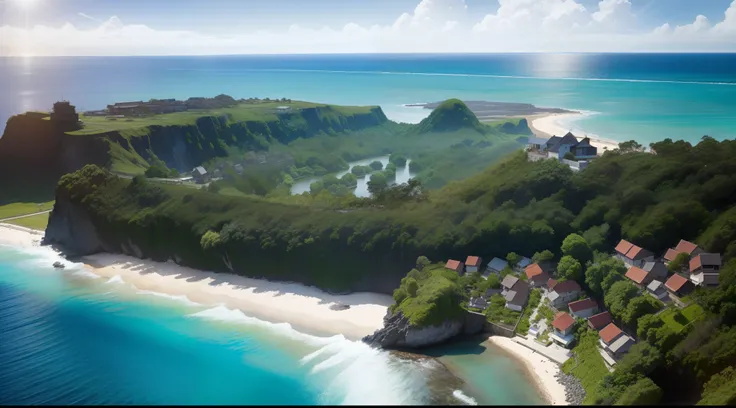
(450,115)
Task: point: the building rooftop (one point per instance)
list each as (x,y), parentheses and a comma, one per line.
(675,282)
(498,264)
(584,304)
(509,281)
(533,271)
(600,320)
(619,343)
(472,261)
(637,275)
(609,333)
(563,321)
(686,247)
(566,286)
(623,247)
(453,264)
(705,260)
(524,262)
(654,285)
(671,254)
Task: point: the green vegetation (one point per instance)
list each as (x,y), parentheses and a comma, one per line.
(450,115)
(677,319)
(16,209)
(720,389)
(37,222)
(535,296)
(569,268)
(498,313)
(587,365)
(376,165)
(429,297)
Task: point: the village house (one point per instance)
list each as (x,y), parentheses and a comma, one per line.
(677,287)
(508,283)
(657,289)
(535,275)
(620,346)
(283,109)
(523,263)
(456,266)
(632,255)
(557,147)
(517,296)
(599,321)
(683,246)
(561,293)
(583,308)
(496,266)
(563,326)
(656,270)
(638,276)
(536,144)
(200,175)
(608,335)
(704,269)
(472,264)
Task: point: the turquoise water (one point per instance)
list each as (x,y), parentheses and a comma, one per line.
(69,337)
(643,96)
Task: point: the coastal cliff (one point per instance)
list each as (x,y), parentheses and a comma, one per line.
(399,333)
(34,144)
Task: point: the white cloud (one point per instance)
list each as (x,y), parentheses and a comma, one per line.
(87,16)
(433,26)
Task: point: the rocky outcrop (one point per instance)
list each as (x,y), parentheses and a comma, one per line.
(574,391)
(71,228)
(398,332)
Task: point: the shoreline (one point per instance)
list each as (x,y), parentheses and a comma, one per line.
(541,370)
(548,125)
(306,309)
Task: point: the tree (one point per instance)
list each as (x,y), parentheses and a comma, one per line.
(411,287)
(349,179)
(576,246)
(422,261)
(569,269)
(376,165)
(157,170)
(597,237)
(210,239)
(569,156)
(398,159)
(513,259)
(638,307)
(678,264)
(377,183)
(316,187)
(493,281)
(544,256)
(720,389)
(630,146)
(647,327)
(619,296)
(610,280)
(642,392)
(599,271)
(214,188)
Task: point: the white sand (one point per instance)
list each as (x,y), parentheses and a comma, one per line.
(306,309)
(547,126)
(17,236)
(540,367)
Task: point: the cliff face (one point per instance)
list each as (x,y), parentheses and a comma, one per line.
(32,143)
(398,332)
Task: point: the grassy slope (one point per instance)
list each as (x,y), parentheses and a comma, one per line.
(16,209)
(436,299)
(37,222)
(587,365)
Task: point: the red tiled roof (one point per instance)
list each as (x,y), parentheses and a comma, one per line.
(637,274)
(686,247)
(705,259)
(533,271)
(671,254)
(600,320)
(551,283)
(609,333)
(584,304)
(633,252)
(472,261)
(563,321)
(566,286)
(675,282)
(623,247)
(453,264)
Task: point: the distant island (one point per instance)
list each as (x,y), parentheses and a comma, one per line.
(488,111)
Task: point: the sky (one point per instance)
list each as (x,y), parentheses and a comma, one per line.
(216,27)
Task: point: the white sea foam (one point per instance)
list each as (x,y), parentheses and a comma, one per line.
(181,298)
(464,398)
(83,272)
(115,279)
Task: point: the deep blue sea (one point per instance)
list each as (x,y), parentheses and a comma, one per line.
(643,96)
(71,337)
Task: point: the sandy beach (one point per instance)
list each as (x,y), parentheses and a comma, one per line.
(542,369)
(306,309)
(548,125)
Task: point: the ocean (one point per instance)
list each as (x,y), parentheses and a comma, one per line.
(647,97)
(71,337)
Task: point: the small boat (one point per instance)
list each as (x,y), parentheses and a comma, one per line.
(59,265)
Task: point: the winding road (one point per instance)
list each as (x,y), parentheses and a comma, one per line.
(24,215)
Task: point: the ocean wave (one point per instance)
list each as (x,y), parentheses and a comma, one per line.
(450,74)
(464,398)
(83,272)
(181,298)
